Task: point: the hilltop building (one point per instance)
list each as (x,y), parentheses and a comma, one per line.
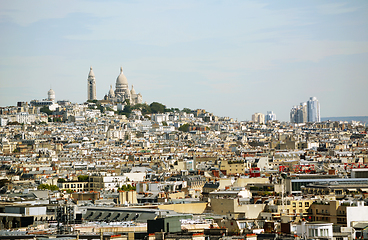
(91,85)
(122,92)
(49,101)
(51,95)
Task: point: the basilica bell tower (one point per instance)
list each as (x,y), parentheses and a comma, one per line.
(91,86)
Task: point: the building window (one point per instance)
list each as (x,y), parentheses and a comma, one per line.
(294,204)
(306,204)
(300,204)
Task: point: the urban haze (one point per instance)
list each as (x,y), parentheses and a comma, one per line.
(201,120)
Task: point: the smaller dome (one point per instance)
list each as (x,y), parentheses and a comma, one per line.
(51,95)
(91,73)
(132,92)
(51,92)
(111,92)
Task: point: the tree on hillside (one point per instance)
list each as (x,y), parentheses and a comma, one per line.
(187,110)
(172,110)
(45,109)
(127,110)
(157,107)
(184,127)
(145,109)
(101,108)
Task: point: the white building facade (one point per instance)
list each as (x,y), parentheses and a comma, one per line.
(314,230)
(122,93)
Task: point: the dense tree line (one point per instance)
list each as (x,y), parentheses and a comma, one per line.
(154,107)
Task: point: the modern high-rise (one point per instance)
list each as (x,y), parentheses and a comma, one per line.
(91,86)
(303,112)
(299,114)
(306,112)
(313,110)
(294,114)
(258,117)
(270,116)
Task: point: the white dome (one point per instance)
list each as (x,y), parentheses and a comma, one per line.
(51,92)
(132,91)
(91,73)
(111,92)
(51,95)
(121,80)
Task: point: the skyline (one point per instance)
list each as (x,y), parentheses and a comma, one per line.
(230,58)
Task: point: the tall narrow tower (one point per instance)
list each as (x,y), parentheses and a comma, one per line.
(314,114)
(91,86)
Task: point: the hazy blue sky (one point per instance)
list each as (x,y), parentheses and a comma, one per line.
(232,58)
